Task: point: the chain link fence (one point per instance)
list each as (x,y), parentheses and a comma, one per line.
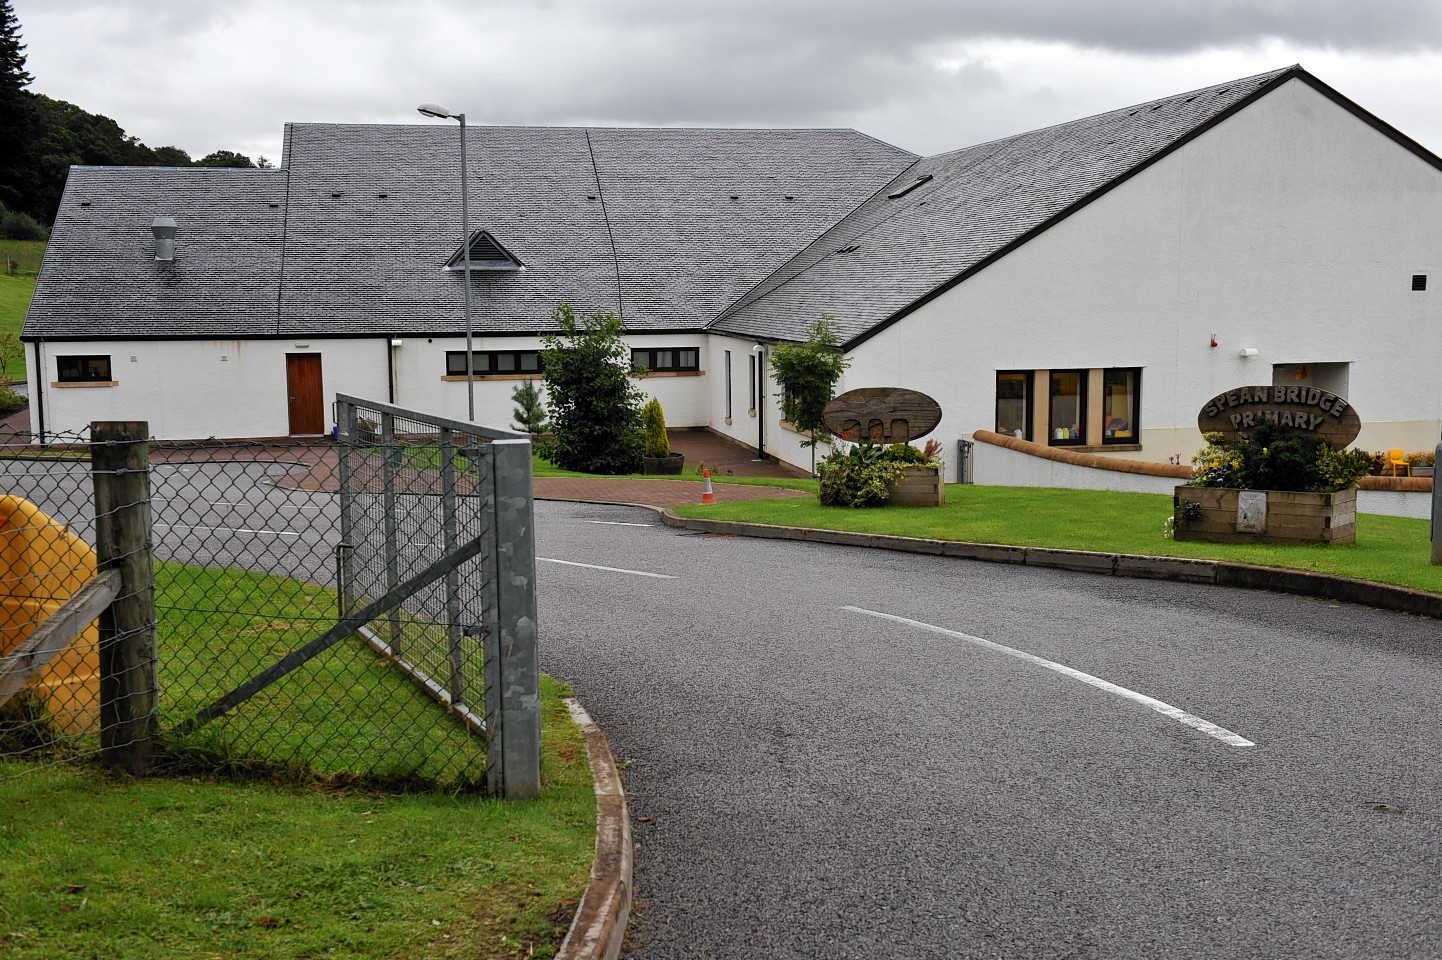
(260,663)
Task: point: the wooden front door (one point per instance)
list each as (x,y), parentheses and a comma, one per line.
(307,404)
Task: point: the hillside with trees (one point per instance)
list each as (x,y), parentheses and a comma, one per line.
(41,138)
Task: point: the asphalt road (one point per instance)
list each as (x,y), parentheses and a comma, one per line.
(811,779)
(808,780)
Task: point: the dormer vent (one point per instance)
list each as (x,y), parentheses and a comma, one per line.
(486,254)
(164,230)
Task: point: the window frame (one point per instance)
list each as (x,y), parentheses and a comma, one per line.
(676,366)
(490,366)
(728,386)
(1135,430)
(1027,383)
(1082,375)
(82,361)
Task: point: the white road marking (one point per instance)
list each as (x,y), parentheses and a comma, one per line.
(618,523)
(1166,709)
(592,566)
(273,533)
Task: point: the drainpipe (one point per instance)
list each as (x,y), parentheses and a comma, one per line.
(760,352)
(391,343)
(39,399)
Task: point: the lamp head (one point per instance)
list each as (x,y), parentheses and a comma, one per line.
(435,110)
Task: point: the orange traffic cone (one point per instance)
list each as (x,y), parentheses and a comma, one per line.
(707,494)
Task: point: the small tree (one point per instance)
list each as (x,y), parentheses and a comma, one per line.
(530,412)
(595,408)
(654,420)
(807,373)
(11,349)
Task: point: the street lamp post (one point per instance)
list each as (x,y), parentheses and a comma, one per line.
(436,110)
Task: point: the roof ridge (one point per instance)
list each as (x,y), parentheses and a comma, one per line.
(1264,76)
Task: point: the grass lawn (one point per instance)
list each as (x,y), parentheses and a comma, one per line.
(15,292)
(200,866)
(1388,549)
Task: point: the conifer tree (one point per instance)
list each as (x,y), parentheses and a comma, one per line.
(17,114)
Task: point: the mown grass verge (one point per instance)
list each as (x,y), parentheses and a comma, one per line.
(275,864)
(15,293)
(1393,550)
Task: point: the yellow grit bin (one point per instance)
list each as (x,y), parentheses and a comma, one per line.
(43,563)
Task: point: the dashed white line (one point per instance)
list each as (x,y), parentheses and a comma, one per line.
(1166,709)
(618,523)
(592,566)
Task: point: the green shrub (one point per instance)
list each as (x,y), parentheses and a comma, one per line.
(1341,469)
(10,401)
(654,420)
(1276,458)
(595,408)
(863,475)
(15,225)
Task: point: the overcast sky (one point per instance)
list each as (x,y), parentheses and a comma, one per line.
(927,75)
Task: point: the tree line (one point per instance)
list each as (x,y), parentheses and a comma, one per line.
(41,138)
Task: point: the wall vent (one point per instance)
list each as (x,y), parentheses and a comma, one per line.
(164,230)
(1419,281)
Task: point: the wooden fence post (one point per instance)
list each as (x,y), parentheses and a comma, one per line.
(120,466)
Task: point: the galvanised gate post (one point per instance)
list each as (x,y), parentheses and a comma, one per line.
(513,700)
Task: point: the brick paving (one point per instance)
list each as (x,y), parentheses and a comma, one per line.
(655,493)
(724,457)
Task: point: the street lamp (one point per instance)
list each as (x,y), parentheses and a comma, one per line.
(436,110)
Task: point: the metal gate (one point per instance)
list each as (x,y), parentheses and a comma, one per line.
(437,556)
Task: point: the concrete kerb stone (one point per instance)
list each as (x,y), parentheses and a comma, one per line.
(599,927)
(1278,580)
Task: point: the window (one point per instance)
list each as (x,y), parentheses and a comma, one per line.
(728,384)
(1013,403)
(84,369)
(751,389)
(667,359)
(1121,401)
(491,363)
(1067,396)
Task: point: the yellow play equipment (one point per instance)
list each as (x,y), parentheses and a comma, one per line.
(41,564)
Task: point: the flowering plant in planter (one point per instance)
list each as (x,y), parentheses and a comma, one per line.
(1275,458)
(863,476)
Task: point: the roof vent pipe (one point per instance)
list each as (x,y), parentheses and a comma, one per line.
(164,230)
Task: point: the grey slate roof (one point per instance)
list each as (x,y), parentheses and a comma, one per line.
(754,233)
(667,226)
(980,201)
(100,276)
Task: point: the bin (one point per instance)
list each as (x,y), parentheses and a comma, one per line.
(44,563)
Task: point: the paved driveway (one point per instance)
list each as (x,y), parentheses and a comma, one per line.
(835,752)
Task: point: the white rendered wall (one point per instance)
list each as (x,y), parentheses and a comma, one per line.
(193,389)
(237,388)
(422,384)
(1291,228)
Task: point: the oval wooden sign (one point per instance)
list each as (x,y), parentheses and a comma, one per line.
(881,415)
(1302,409)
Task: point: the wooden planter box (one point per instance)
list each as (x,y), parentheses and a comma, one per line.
(918,487)
(1290,517)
